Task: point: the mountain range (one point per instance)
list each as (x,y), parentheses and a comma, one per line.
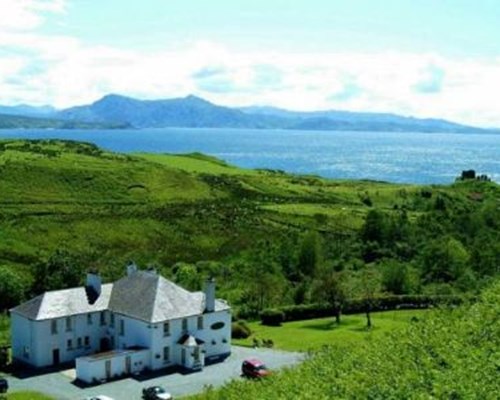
(116,111)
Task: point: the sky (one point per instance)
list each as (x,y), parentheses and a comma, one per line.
(426,58)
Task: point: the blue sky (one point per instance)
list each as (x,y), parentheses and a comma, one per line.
(438,58)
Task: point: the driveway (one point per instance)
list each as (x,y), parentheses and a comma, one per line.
(60,386)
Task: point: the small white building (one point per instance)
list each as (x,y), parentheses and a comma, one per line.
(141,322)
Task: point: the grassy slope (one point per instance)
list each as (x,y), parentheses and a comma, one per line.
(447,354)
(315,333)
(166,208)
(27,396)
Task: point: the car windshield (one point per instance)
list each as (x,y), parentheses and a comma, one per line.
(260,367)
(159,390)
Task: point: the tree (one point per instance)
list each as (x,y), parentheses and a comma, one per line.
(444,260)
(330,287)
(366,286)
(12,288)
(310,254)
(61,270)
(374,228)
(396,277)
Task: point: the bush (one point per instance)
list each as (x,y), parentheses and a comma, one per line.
(240,330)
(272,317)
(357,306)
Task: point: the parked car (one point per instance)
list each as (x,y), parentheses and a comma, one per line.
(253,368)
(155,393)
(99,397)
(4,385)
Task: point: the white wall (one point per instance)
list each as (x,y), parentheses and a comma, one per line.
(39,337)
(90,369)
(210,336)
(21,336)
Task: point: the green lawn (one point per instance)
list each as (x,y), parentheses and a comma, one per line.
(315,333)
(26,396)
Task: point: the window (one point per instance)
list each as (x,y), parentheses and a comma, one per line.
(122,327)
(166,329)
(68,324)
(112,320)
(79,342)
(200,322)
(103,318)
(166,354)
(89,319)
(86,341)
(184,324)
(69,344)
(53,327)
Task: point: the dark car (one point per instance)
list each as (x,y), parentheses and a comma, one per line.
(155,393)
(253,368)
(4,385)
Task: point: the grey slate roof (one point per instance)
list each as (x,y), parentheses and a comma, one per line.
(63,303)
(142,295)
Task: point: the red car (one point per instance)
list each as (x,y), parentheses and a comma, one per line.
(253,368)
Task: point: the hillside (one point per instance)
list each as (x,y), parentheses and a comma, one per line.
(194,112)
(191,111)
(449,354)
(19,121)
(269,238)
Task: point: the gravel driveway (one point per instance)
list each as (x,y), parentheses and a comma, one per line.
(60,386)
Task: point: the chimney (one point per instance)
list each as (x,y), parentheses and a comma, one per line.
(131,268)
(93,287)
(210,295)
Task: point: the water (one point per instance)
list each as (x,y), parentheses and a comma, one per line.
(388,156)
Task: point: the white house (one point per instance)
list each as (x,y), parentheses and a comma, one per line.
(141,322)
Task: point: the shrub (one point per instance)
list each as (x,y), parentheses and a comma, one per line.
(357,306)
(272,317)
(240,330)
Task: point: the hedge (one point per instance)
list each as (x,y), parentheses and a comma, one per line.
(271,316)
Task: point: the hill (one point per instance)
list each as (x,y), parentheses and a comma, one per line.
(66,206)
(359,121)
(194,112)
(18,121)
(191,111)
(449,354)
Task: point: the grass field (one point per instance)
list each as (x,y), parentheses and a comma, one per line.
(315,333)
(26,396)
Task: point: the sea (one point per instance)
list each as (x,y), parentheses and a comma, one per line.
(399,157)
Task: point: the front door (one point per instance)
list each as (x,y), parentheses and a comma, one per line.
(55,357)
(128,365)
(105,345)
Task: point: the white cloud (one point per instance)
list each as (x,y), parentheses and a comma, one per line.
(64,71)
(19,15)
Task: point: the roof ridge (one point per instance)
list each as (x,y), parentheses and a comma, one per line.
(157,288)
